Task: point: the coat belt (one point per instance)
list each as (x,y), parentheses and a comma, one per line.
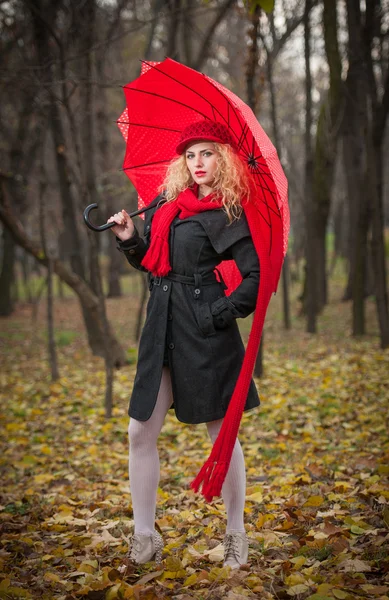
(197,279)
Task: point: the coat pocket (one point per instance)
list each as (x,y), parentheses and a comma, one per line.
(205,319)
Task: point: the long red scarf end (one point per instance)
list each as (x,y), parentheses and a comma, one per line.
(211,477)
(156,259)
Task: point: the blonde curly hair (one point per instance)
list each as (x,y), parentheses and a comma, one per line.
(232,180)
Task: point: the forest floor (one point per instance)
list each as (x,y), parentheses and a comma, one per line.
(317,458)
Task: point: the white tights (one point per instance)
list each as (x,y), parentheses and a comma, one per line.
(144,466)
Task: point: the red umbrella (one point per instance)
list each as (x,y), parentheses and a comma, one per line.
(166,98)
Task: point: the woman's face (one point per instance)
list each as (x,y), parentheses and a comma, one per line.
(201,160)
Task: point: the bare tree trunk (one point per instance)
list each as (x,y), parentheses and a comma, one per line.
(186,33)
(42,39)
(310,286)
(108,356)
(378,245)
(355,164)
(89,180)
(50,313)
(377,118)
(21,167)
(205,48)
(157,7)
(26,275)
(285,266)
(61,294)
(80,287)
(172,32)
(252,59)
(7,274)
(323,168)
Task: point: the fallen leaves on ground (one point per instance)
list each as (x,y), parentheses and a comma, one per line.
(317,510)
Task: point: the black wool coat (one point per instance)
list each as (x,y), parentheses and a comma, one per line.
(193,328)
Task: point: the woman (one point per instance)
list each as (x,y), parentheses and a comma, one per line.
(190,351)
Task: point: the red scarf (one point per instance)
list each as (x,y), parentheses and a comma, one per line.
(213,473)
(186,205)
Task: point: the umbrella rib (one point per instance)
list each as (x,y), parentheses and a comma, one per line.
(198,93)
(270,208)
(167,98)
(264,175)
(149,126)
(261,175)
(263,216)
(268,221)
(275,211)
(265,188)
(243,138)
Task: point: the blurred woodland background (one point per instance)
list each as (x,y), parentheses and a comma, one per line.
(316,74)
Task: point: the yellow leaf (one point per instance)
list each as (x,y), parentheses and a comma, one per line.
(191,580)
(256,497)
(324,588)
(51,576)
(260,521)
(342,486)
(88,566)
(113,592)
(12,426)
(297,589)
(219,573)
(5,584)
(174,568)
(294,579)
(43,478)
(339,594)
(16,592)
(357,530)
(216,554)
(299,561)
(174,574)
(314,501)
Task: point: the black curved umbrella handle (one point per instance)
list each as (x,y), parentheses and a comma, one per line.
(108,225)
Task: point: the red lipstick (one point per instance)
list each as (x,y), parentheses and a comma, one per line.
(199,172)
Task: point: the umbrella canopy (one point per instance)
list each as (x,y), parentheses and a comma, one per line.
(163,101)
(166,98)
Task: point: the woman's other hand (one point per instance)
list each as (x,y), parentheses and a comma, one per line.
(124,228)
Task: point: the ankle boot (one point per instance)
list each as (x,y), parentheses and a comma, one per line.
(146,547)
(235,549)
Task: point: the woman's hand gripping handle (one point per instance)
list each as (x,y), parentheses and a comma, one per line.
(124,228)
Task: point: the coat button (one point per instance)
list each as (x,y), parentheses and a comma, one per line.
(170,317)
(131,251)
(197,291)
(165,288)
(171,346)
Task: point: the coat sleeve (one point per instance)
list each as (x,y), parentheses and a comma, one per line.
(135,248)
(242,301)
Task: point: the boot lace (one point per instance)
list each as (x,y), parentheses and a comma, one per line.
(231,549)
